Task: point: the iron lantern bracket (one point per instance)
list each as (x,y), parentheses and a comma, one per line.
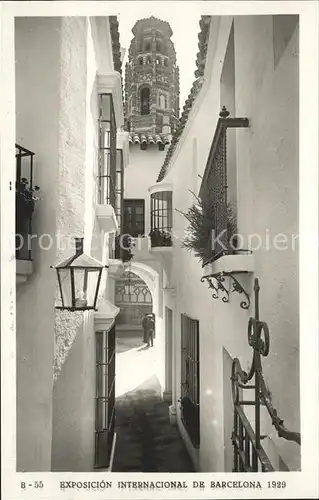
(216,283)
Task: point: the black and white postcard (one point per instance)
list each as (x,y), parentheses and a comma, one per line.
(159,249)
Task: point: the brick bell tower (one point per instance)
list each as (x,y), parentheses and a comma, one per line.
(151,84)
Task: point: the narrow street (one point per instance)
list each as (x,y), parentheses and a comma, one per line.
(146,441)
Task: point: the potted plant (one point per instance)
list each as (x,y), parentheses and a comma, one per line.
(201,218)
(160,238)
(25,202)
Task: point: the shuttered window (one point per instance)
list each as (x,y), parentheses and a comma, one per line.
(190,377)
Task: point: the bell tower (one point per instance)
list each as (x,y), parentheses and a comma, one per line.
(151,84)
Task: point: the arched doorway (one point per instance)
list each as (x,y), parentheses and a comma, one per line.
(134,299)
(137,292)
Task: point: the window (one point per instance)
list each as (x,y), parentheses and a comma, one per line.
(166,63)
(145,101)
(140,61)
(148,60)
(158,46)
(133,222)
(147,46)
(161,219)
(107,150)
(105,396)
(190,377)
(162,100)
(158,61)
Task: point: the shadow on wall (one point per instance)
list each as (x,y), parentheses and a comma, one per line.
(73,397)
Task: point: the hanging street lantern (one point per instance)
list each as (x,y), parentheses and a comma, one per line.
(79,280)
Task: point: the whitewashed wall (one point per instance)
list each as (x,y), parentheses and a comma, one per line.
(37,47)
(58,121)
(267,193)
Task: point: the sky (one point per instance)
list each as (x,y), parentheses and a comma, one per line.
(185,27)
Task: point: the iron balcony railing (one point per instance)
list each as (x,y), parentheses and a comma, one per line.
(214,189)
(249,454)
(161,219)
(25,201)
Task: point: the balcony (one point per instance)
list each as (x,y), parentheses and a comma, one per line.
(216,206)
(109,209)
(161,217)
(25,205)
(213,220)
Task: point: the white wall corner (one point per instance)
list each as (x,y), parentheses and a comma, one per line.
(110,83)
(105,315)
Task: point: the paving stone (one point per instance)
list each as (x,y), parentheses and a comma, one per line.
(146,441)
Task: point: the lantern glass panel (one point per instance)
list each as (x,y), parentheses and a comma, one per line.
(92,283)
(64,276)
(80,288)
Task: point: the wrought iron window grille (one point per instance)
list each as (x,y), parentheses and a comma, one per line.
(131,289)
(215,185)
(216,283)
(249,454)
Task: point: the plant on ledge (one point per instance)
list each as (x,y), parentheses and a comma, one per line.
(25,202)
(201,220)
(160,238)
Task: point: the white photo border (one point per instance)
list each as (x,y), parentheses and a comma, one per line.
(299,484)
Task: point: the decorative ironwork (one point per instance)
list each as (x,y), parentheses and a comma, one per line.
(132,289)
(216,282)
(249,454)
(214,189)
(25,201)
(190,377)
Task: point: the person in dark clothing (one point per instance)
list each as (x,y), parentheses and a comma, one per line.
(149,328)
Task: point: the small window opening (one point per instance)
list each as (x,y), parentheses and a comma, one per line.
(145,101)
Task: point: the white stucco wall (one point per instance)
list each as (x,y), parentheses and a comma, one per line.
(37,47)
(58,121)
(267,193)
(74,389)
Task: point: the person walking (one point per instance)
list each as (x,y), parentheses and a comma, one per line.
(149,329)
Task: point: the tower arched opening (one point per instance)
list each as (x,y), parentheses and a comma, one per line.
(145,101)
